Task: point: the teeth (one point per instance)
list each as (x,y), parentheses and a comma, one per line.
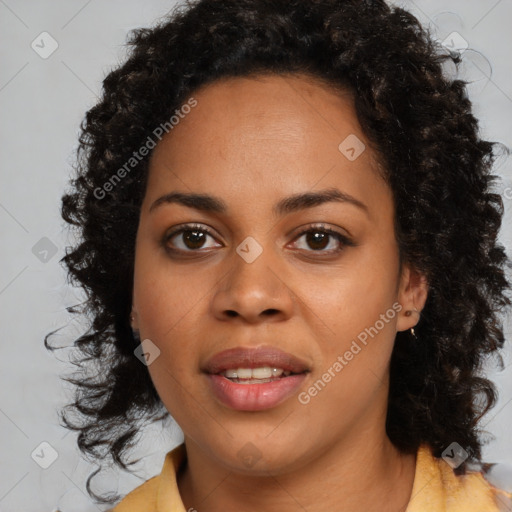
(244,373)
(265,372)
(262,373)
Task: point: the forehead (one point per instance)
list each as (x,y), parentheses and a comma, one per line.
(278,107)
(283,134)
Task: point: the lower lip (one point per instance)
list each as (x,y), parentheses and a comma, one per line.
(254,397)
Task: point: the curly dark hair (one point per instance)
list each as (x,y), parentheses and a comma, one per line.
(419,122)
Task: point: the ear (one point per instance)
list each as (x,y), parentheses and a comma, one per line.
(412,295)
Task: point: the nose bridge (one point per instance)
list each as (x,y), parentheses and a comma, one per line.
(251,267)
(253,284)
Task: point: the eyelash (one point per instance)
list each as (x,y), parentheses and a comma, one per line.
(317,228)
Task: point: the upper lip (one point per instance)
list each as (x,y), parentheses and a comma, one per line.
(243,357)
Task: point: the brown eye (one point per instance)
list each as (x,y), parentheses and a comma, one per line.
(319,238)
(187,238)
(193,239)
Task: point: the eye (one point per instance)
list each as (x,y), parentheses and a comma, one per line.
(319,237)
(192,237)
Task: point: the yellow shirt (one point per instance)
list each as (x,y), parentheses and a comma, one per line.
(436,488)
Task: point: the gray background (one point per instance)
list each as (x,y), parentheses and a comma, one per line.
(42,102)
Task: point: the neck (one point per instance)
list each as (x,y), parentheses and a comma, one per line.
(354,474)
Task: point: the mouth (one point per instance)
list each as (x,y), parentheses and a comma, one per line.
(254,379)
(255,375)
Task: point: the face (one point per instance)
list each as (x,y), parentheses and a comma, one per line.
(293,265)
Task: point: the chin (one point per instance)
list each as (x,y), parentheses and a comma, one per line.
(252,455)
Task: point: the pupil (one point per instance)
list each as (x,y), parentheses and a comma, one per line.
(317,237)
(196,238)
(316,240)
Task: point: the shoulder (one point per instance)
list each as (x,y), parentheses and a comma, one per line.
(442,487)
(141,498)
(498,478)
(160,491)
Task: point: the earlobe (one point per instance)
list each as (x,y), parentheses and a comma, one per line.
(412,296)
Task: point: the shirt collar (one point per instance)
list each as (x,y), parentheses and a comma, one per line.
(168,497)
(435,487)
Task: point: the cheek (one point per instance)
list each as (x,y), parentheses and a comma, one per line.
(166,297)
(358,312)
(168,307)
(352,298)
(354,363)
(358,344)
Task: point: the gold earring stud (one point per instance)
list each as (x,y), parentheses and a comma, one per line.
(409,313)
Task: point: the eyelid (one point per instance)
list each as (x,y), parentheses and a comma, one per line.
(343,239)
(320,226)
(188,227)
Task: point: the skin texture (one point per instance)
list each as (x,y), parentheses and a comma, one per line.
(253,142)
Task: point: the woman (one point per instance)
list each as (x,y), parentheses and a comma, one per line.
(289,244)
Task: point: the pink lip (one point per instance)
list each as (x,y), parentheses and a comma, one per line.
(254,397)
(241,357)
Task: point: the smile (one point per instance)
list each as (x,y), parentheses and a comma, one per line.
(254,379)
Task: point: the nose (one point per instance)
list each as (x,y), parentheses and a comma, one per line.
(254,291)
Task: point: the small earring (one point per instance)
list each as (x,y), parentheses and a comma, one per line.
(409,313)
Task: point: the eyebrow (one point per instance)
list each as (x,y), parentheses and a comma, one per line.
(287,205)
